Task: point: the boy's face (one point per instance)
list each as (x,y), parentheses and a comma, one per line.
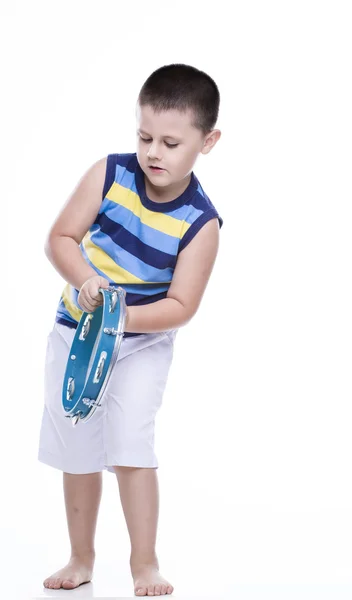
(167,140)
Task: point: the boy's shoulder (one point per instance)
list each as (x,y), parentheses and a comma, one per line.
(119,165)
(200,199)
(127,159)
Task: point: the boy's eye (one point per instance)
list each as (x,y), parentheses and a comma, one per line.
(166,143)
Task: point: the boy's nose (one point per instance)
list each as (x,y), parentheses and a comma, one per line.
(154,152)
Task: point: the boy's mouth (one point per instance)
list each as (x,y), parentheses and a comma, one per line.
(156,168)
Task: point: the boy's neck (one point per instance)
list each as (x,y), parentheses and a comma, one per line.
(168,193)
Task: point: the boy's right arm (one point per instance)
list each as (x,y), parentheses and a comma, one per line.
(71,225)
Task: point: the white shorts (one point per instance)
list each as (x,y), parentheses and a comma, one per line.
(121,431)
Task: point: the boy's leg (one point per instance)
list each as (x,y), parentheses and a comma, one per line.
(140,502)
(82,500)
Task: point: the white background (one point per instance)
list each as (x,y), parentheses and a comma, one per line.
(254,436)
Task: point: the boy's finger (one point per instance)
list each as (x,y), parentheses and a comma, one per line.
(87,302)
(87,307)
(94,295)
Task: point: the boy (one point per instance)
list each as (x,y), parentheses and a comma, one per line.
(143,222)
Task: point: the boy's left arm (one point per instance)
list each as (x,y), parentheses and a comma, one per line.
(191,275)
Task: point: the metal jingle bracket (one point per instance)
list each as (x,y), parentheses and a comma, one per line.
(100,367)
(75,418)
(113,299)
(90,402)
(85,327)
(70,388)
(112,331)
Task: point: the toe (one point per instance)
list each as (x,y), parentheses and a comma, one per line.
(67,584)
(141,592)
(170,589)
(157,590)
(150,590)
(163,589)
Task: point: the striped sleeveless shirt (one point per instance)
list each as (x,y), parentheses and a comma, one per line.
(134,242)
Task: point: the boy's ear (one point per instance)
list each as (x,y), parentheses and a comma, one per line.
(210,140)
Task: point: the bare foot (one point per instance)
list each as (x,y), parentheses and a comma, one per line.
(76,572)
(149,582)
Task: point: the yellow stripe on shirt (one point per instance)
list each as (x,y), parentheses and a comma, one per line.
(74,311)
(130,200)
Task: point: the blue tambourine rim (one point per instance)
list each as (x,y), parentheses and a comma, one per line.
(117,346)
(75,410)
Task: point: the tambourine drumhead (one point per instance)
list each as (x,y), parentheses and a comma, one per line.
(93,353)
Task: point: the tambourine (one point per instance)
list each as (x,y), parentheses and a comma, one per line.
(93,353)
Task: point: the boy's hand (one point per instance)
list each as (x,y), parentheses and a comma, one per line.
(89,297)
